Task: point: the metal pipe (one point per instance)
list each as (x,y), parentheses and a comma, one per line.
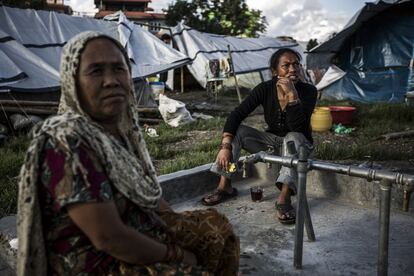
(284,161)
(369,174)
(291,148)
(308,222)
(384,225)
(386,177)
(302,169)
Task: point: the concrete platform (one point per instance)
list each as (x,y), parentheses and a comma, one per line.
(346,236)
(344,211)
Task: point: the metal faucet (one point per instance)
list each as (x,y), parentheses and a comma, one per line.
(408,189)
(252,158)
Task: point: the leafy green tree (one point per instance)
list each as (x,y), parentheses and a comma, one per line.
(313,42)
(35,4)
(230,17)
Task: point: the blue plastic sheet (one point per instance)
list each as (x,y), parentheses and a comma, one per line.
(378,59)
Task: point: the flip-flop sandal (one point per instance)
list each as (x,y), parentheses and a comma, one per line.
(286,210)
(218,196)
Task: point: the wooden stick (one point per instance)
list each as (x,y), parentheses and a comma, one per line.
(150,121)
(147,109)
(30,110)
(182,79)
(396,135)
(234,74)
(29,103)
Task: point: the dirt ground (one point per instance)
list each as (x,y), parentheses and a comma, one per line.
(198,101)
(193,137)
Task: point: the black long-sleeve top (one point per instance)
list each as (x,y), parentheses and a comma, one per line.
(294,118)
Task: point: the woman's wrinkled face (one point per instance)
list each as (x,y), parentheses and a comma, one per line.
(288,67)
(103,81)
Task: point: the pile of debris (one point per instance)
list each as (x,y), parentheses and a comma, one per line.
(21,116)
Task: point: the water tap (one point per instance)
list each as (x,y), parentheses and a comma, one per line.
(270,150)
(406,197)
(249,159)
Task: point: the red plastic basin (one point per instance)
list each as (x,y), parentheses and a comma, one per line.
(342,114)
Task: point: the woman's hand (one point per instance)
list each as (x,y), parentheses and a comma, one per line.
(103,225)
(224,158)
(287,88)
(163,206)
(189,258)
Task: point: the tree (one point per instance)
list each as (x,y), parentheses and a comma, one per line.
(311,44)
(35,4)
(230,17)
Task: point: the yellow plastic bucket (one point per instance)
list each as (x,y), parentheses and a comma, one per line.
(321,119)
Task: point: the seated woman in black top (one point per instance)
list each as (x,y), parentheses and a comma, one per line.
(288,104)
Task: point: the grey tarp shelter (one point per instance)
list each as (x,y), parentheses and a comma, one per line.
(249,54)
(31,42)
(375,50)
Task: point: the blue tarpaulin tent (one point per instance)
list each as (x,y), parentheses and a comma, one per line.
(376,50)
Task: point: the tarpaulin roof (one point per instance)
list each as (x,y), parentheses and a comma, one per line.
(364,14)
(375,50)
(249,54)
(31,42)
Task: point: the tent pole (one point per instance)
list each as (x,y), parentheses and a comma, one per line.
(261,76)
(182,79)
(7,119)
(234,75)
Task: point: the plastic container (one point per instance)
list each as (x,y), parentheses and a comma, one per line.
(157,89)
(321,119)
(342,114)
(409,98)
(153,79)
(216,169)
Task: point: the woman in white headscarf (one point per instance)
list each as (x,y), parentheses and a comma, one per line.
(89,200)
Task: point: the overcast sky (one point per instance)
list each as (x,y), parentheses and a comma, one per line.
(301,19)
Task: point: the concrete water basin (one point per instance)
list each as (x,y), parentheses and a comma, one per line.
(344,212)
(345,218)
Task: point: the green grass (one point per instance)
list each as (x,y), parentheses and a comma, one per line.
(13,151)
(186,157)
(374,120)
(187,160)
(11,158)
(370,121)
(358,151)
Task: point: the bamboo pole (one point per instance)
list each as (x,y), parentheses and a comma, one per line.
(182,79)
(234,74)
